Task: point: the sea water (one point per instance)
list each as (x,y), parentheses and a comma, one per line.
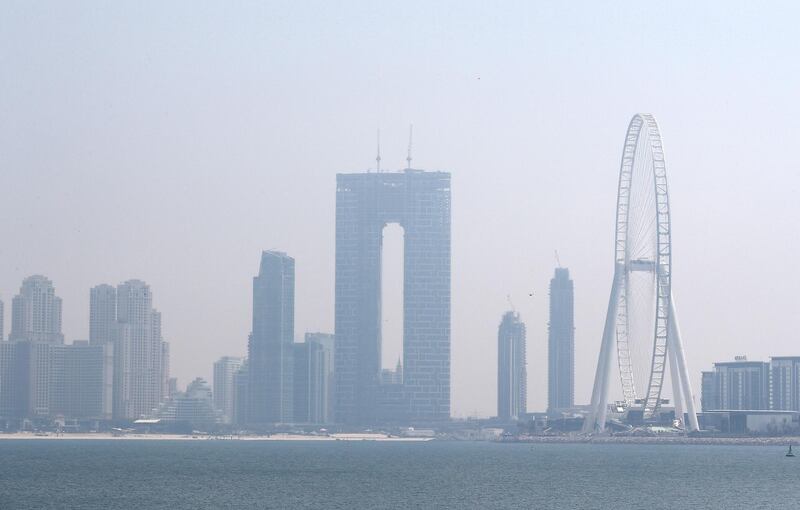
(177,475)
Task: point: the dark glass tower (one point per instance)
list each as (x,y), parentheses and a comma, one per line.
(365,203)
(561,343)
(512,378)
(270,381)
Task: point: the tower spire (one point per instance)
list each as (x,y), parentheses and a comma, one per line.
(410,139)
(378,158)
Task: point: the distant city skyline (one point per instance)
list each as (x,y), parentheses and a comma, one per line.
(173,151)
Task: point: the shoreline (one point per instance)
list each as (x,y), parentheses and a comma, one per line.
(533,440)
(28,436)
(662,440)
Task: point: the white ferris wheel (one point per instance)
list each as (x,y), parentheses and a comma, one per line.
(641,325)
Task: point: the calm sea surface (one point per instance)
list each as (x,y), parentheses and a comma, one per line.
(40,474)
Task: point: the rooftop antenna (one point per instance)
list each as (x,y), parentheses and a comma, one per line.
(378,159)
(410,138)
(558,261)
(511,303)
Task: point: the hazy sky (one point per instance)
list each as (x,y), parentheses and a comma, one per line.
(173,141)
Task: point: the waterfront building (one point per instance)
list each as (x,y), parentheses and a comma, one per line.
(141,372)
(365,203)
(785,383)
(241,381)
(83,376)
(327,343)
(36,312)
(312,375)
(270,346)
(194,407)
(102,314)
(224,371)
(25,379)
(709,395)
(561,343)
(737,385)
(512,385)
(41,379)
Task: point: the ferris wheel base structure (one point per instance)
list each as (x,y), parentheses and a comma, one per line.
(642,203)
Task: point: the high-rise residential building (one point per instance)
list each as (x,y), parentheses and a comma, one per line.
(26,373)
(785,383)
(512,378)
(737,385)
(561,343)
(241,381)
(41,379)
(313,374)
(224,391)
(36,312)
(270,345)
(365,203)
(140,367)
(102,314)
(83,376)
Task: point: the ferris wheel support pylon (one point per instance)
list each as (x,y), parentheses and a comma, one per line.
(597,414)
(676,345)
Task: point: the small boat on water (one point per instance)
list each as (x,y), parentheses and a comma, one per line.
(789,453)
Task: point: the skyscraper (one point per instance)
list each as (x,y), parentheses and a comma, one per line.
(36,312)
(224,392)
(561,343)
(365,203)
(313,374)
(512,378)
(2,321)
(270,347)
(138,346)
(102,313)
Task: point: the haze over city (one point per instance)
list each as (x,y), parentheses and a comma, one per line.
(173,143)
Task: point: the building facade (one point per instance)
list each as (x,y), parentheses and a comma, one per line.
(270,346)
(41,380)
(737,385)
(785,383)
(241,401)
(194,407)
(365,203)
(140,367)
(36,312)
(561,343)
(224,392)
(2,321)
(102,314)
(512,378)
(313,375)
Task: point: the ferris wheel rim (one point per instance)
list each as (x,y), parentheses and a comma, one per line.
(644,124)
